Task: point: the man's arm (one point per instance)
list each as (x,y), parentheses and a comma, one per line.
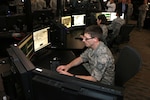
(66,67)
(77,61)
(90,78)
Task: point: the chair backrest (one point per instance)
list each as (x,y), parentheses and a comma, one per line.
(127,65)
(125,30)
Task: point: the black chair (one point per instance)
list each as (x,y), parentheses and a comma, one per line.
(127,65)
(124,34)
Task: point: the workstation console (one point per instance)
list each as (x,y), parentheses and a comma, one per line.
(35,58)
(38,82)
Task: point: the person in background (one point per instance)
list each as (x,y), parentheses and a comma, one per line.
(97,59)
(53,6)
(38,5)
(115,27)
(110,6)
(47,3)
(98,3)
(122,7)
(33,5)
(41,4)
(101,21)
(143,8)
(129,11)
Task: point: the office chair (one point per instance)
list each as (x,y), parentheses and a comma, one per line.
(124,34)
(127,65)
(112,35)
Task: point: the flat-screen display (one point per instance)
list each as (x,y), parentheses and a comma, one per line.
(26,45)
(113,16)
(97,14)
(110,16)
(78,20)
(107,15)
(41,38)
(66,21)
(21,68)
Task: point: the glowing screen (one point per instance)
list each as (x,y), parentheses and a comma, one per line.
(40,38)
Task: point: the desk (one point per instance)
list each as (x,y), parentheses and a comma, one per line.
(43,58)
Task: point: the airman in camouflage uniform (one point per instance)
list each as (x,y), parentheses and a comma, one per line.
(97,58)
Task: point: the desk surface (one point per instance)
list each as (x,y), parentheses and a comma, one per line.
(42,59)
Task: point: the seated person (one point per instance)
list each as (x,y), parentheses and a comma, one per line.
(97,59)
(115,27)
(101,21)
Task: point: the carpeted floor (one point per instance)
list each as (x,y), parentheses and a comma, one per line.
(138,88)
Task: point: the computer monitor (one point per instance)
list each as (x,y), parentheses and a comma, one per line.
(26,45)
(107,15)
(41,38)
(46,84)
(78,20)
(110,15)
(113,16)
(58,35)
(66,21)
(21,68)
(97,14)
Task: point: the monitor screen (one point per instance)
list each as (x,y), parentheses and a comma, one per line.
(41,38)
(104,0)
(97,14)
(66,21)
(26,45)
(110,15)
(113,16)
(78,20)
(107,15)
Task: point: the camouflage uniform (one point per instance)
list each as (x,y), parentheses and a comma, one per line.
(105,30)
(100,63)
(116,25)
(142,15)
